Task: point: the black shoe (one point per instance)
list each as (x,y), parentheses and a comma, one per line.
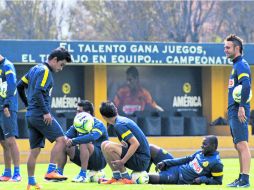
(243,183)
(234,183)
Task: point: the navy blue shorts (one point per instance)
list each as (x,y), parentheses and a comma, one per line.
(239,131)
(170,176)
(9,126)
(162,155)
(138,162)
(96,160)
(38,131)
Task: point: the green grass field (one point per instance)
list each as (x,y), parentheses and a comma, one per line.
(231,170)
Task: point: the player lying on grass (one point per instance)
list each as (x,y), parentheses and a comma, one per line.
(85,149)
(204,166)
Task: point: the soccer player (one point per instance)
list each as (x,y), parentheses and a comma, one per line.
(133,152)
(85,149)
(38,83)
(203,166)
(132,96)
(239,113)
(8,114)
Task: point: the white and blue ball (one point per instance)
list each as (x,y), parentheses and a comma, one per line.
(140,177)
(83,122)
(237,94)
(94,176)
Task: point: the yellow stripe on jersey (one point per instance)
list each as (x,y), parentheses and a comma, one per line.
(243,75)
(98,130)
(126,134)
(24,79)
(217,174)
(9,72)
(45,77)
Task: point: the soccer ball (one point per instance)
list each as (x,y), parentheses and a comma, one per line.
(94,176)
(140,177)
(83,122)
(237,94)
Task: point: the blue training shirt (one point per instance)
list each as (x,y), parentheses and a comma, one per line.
(97,135)
(40,83)
(125,128)
(8,74)
(240,74)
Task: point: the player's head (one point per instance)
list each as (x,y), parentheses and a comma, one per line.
(209,144)
(132,76)
(85,106)
(108,110)
(58,59)
(233,46)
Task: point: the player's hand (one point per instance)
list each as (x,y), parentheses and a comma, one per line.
(241,114)
(197,181)
(160,166)
(47,119)
(117,164)
(69,142)
(7,112)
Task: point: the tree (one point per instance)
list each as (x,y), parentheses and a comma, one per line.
(30,20)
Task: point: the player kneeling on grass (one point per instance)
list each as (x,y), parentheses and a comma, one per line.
(203,166)
(84,140)
(133,152)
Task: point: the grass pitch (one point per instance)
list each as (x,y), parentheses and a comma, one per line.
(231,171)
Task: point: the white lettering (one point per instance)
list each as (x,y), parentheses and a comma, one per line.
(187,101)
(65,102)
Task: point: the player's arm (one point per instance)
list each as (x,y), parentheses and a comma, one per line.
(21,86)
(87,138)
(150,101)
(11,84)
(178,161)
(216,176)
(244,80)
(71,132)
(134,144)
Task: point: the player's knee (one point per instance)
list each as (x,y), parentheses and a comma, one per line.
(60,140)
(104,144)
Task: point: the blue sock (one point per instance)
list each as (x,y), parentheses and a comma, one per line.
(31,180)
(116,174)
(60,170)
(51,167)
(16,171)
(7,172)
(82,173)
(126,175)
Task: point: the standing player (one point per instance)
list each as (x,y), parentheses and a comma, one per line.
(202,167)
(133,152)
(8,114)
(39,83)
(85,149)
(239,113)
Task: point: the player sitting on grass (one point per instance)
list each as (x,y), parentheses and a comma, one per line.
(133,152)
(85,149)
(204,166)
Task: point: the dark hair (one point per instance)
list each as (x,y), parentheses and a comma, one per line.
(60,54)
(87,106)
(133,71)
(108,109)
(213,141)
(237,41)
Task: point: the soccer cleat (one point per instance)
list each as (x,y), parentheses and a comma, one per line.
(124,181)
(107,181)
(5,178)
(15,178)
(54,176)
(234,183)
(243,184)
(33,187)
(80,179)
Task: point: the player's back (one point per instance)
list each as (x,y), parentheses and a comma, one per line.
(39,81)
(99,127)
